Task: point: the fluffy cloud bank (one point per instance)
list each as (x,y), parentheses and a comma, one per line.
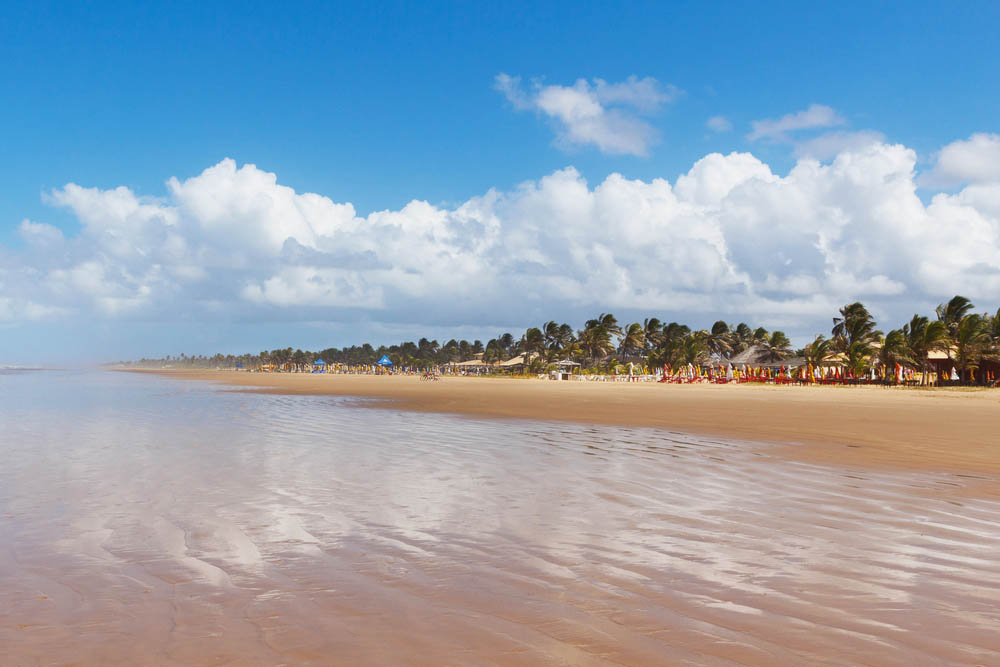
(976,160)
(728,237)
(606,115)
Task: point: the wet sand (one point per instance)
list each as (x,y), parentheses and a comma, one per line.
(155,522)
(912,429)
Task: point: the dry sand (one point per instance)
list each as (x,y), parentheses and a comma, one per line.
(955,431)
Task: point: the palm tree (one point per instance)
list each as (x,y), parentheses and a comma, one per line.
(550,331)
(692,349)
(449,352)
(595,341)
(859,356)
(720,340)
(427,349)
(533,342)
(854,324)
(492,352)
(922,337)
(652,332)
(854,335)
(994,331)
(674,331)
(971,339)
(671,340)
(565,338)
(608,321)
(557,338)
(506,343)
(951,313)
(776,347)
(818,351)
(893,351)
(633,340)
(741,337)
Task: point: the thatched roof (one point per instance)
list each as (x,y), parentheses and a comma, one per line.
(471,363)
(755,355)
(752,355)
(516,361)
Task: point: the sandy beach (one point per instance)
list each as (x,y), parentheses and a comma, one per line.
(165,521)
(955,431)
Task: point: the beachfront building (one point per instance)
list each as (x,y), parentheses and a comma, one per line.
(756,356)
(565,370)
(470,367)
(944,366)
(513,365)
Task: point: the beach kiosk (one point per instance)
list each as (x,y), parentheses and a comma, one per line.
(385,362)
(319,366)
(565,370)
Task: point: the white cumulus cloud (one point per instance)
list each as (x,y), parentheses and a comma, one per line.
(830,144)
(730,237)
(598,113)
(972,160)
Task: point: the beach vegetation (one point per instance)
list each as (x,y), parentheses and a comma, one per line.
(953,312)
(924,336)
(633,340)
(955,343)
(776,346)
(855,336)
(817,352)
(970,338)
(894,350)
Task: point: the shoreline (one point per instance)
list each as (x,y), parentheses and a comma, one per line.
(945,431)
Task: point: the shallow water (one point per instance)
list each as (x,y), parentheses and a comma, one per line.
(150,521)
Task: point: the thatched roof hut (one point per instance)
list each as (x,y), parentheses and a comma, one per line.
(513,362)
(756,355)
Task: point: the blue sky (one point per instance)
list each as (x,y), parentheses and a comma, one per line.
(380,105)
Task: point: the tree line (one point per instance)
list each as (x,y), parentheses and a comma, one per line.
(968,338)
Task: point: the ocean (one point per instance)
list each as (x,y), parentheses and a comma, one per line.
(146,520)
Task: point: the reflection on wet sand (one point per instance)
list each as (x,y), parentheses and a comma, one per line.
(150,522)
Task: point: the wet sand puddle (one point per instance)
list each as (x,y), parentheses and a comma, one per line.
(146,521)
